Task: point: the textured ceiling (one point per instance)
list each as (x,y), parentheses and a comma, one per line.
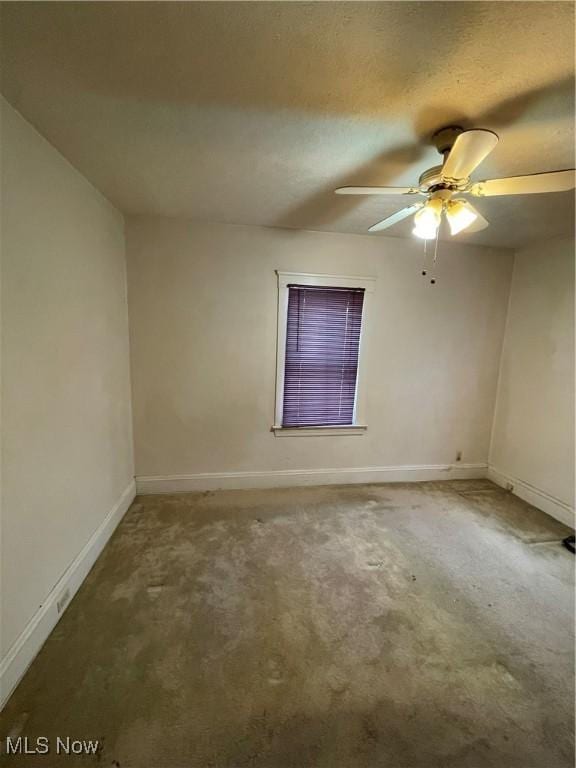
(254,112)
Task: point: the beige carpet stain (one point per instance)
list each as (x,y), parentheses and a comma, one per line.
(393,626)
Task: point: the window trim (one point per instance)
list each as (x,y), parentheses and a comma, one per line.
(359,426)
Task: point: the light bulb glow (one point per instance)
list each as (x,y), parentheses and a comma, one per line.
(425,233)
(459,216)
(427,220)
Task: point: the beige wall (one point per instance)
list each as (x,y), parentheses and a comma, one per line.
(533,438)
(66,422)
(203,304)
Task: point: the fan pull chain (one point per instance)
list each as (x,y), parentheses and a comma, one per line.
(433,270)
(424,264)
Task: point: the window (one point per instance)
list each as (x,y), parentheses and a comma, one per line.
(321,360)
(320,333)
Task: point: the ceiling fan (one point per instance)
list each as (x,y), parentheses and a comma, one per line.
(442,185)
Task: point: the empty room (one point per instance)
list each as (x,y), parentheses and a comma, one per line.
(287,384)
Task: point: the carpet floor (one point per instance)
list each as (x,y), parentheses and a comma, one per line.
(421,625)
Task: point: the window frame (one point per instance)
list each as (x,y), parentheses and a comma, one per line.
(359,425)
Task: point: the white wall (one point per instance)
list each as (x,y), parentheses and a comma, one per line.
(533,437)
(203,302)
(66,420)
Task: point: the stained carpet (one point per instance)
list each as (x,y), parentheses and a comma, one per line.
(378,626)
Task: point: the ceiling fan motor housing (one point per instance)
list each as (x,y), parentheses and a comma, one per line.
(433,180)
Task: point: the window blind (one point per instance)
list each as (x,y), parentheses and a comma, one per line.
(321,364)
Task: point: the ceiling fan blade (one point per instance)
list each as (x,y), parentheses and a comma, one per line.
(468,151)
(395,218)
(377,191)
(555,181)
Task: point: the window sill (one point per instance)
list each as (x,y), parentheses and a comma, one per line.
(336,431)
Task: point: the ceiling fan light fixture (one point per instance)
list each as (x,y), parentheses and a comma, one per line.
(425,233)
(459,216)
(427,220)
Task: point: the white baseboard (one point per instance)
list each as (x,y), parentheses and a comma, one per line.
(553,506)
(23,651)
(298,477)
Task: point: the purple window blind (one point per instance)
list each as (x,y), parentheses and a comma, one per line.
(321,365)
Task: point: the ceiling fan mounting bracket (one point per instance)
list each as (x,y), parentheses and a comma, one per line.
(444,139)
